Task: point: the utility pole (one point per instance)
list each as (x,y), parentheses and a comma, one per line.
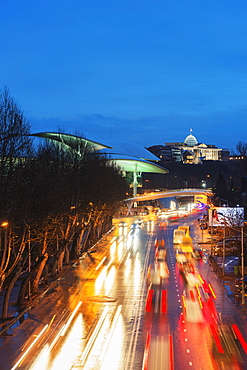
(242,261)
(211,215)
(29,262)
(224,248)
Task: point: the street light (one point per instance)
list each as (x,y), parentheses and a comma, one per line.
(242,254)
(224,248)
(242,260)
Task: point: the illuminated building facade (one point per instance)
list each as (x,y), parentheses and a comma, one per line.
(189,151)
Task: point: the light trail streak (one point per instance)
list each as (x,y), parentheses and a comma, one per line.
(110,262)
(42,360)
(71,347)
(109,337)
(127,259)
(109,280)
(137,318)
(29,348)
(94,336)
(217,339)
(120,250)
(171,352)
(128,267)
(101,263)
(146,352)
(211,289)
(65,328)
(113,249)
(240,337)
(100,280)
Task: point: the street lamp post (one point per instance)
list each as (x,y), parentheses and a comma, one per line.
(211,233)
(242,262)
(29,264)
(224,249)
(224,245)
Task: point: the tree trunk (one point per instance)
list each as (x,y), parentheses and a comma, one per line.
(8,291)
(41,264)
(67,254)
(35,284)
(88,232)
(24,287)
(60,260)
(80,241)
(74,248)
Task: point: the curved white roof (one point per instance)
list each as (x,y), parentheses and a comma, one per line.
(129,149)
(128,156)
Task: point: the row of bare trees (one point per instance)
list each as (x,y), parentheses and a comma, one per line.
(54,204)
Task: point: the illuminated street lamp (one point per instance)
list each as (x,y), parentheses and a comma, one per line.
(4,224)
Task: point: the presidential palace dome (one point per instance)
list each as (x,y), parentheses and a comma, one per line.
(190,140)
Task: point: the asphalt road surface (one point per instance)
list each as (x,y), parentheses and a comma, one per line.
(105,313)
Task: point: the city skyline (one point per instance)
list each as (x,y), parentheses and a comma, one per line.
(145,72)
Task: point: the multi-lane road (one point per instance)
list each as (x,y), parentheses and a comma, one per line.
(112,318)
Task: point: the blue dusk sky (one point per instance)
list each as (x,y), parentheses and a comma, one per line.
(144,71)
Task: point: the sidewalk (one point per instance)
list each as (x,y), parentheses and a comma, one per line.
(228,279)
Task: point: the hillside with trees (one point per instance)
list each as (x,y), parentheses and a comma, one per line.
(54,204)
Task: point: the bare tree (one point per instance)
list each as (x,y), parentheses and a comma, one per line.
(15,145)
(65,200)
(242,148)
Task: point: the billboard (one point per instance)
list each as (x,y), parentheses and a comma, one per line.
(226,216)
(201,198)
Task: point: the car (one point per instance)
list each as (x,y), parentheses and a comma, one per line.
(159,242)
(191,307)
(225,349)
(186,245)
(139,223)
(186,229)
(162,224)
(164,271)
(153,275)
(178,236)
(160,254)
(192,279)
(186,268)
(181,258)
(197,253)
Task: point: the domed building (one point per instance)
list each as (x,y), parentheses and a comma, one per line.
(200,151)
(190,151)
(190,140)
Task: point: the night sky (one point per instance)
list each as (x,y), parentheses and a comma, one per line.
(144,71)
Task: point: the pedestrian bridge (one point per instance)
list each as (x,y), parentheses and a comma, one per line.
(166,194)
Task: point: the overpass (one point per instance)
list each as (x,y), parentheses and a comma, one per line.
(166,194)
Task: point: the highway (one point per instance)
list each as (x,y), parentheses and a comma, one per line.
(118,320)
